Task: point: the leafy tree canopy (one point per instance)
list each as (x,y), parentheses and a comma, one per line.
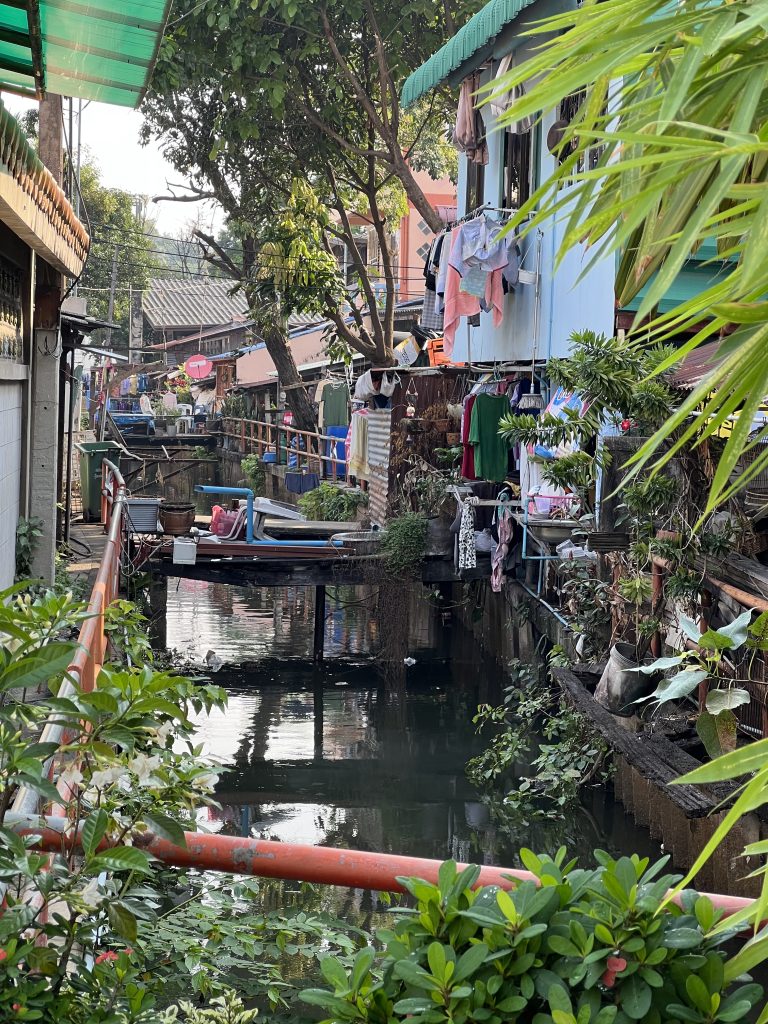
(116,225)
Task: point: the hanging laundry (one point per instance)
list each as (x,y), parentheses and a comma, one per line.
(469,133)
(357,439)
(491,450)
(468,455)
(373,384)
(459,303)
(431,316)
(467,550)
(502,101)
(334,410)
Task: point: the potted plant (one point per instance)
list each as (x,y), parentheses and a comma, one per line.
(701,669)
(171,417)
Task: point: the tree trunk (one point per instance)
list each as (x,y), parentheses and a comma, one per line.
(296,398)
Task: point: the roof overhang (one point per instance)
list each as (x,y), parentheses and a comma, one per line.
(91,49)
(471,45)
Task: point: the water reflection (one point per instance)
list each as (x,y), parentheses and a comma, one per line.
(352,755)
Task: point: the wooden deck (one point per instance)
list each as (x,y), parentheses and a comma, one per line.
(87,541)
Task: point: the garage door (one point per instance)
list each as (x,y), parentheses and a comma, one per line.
(10,473)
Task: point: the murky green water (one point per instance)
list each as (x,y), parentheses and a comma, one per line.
(351,755)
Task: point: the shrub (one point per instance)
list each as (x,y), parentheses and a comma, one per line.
(588,946)
(331,504)
(255,474)
(404,543)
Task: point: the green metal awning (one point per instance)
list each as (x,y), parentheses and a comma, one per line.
(479,32)
(91,49)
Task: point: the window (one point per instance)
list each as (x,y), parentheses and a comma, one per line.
(475,186)
(517,168)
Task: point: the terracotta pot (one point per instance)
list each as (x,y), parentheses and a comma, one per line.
(452,439)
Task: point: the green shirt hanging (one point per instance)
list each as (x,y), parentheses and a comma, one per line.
(335,405)
(491,451)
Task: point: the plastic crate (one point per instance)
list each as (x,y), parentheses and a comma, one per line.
(141,515)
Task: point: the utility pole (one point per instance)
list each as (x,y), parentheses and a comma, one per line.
(110,314)
(112,289)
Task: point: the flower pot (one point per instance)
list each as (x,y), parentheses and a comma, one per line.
(171,430)
(177,517)
(622,683)
(439,541)
(452,439)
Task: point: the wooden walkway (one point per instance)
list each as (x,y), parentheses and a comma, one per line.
(87,541)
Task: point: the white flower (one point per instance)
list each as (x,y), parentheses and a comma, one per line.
(104,777)
(91,895)
(207,781)
(71,776)
(163,732)
(142,767)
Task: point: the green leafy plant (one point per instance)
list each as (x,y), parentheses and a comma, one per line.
(570,946)
(70,919)
(704,664)
(204,454)
(255,474)
(573,756)
(404,544)
(28,533)
(330,503)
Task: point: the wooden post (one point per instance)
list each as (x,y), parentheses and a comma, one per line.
(318,644)
(317,701)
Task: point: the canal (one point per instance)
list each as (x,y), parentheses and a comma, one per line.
(369,750)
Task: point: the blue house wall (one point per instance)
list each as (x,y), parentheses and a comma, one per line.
(569,301)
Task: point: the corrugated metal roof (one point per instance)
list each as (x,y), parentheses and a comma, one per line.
(479,31)
(696,365)
(178,304)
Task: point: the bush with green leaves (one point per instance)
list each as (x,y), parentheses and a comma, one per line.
(573,756)
(404,544)
(70,920)
(704,662)
(568,946)
(330,503)
(255,474)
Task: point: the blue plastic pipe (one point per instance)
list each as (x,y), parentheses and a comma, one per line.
(238,492)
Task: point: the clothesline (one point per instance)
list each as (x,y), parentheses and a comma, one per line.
(485,208)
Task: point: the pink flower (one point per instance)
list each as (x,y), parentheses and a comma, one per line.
(108,956)
(3,955)
(614,965)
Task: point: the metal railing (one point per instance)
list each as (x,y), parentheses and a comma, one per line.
(294,448)
(92,640)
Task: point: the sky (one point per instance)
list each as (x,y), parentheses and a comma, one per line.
(111,136)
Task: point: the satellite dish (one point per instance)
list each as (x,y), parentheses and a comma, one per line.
(198,367)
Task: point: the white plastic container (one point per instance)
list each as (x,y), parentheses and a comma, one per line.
(184,551)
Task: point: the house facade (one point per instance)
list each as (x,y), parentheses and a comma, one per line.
(550,301)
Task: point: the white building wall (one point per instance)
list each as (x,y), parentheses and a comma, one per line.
(11,394)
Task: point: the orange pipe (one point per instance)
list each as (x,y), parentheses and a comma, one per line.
(325,865)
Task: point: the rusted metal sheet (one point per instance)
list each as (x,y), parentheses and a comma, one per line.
(379,439)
